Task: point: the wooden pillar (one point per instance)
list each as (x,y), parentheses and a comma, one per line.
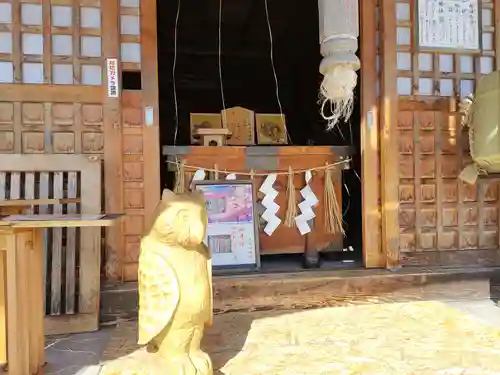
(388,142)
(370,150)
(113,165)
(151,131)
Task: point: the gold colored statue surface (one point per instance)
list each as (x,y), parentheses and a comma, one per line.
(175,289)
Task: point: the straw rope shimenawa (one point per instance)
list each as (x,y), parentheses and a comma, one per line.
(333,214)
(291,210)
(180,183)
(259,174)
(332,211)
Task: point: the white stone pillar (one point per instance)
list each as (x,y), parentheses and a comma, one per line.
(338,32)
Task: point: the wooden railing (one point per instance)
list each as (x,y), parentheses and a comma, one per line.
(62,184)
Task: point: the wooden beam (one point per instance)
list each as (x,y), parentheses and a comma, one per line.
(388,142)
(50,93)
(370,165)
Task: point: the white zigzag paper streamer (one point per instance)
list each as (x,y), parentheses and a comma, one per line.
(270,205)
(199,175)
(306,206)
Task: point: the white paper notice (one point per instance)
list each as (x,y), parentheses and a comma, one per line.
(272,225)
(451,24)
(302,224)
(309,195)
(269,198)
(307,192)
(270,212)
(231,176)
(199,175)
(308,176)
(271,206)
(306,206)
(267,185)
(306,210)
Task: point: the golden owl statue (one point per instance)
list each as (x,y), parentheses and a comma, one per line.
(175,289)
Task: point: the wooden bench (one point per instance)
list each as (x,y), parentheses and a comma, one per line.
(21,300)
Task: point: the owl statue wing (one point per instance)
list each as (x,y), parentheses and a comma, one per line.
(158,293)
(209,323)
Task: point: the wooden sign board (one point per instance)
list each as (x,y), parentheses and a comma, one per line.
(241,123)
(271,129)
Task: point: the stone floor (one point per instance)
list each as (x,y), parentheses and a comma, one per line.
(78,354)
(436,337)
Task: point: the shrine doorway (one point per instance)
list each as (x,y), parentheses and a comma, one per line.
(189,50)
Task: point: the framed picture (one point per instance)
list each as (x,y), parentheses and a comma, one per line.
(450,25)
(204,121)
(271,129)
(232,233)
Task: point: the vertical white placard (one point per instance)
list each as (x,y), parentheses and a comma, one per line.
(113,83)
(149,116)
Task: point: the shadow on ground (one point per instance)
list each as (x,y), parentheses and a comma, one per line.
(223,341)
(227,338)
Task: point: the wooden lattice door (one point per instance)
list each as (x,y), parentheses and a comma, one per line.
(438,220)
(54,100)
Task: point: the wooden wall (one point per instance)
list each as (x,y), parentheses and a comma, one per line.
(431,217)
(53,99)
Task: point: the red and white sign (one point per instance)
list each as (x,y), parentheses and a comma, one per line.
(113,84)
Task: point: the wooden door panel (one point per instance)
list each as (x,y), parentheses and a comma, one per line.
(441,220)
(53,100)
(47,127)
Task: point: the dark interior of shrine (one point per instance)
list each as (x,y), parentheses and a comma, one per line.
(188,34)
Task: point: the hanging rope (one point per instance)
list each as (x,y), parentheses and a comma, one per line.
(219,63)
(174,66)
(216,172)
(291,211)
(332,212)
(252,172)
(180,182)
(271,53)
(337,89)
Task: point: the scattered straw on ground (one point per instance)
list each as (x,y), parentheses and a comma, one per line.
(400,338)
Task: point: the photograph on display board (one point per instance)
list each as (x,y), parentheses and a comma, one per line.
(232,224)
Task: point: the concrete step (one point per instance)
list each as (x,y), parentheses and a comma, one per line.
(310,289)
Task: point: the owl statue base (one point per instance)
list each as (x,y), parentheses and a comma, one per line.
(142,362)
(175,291)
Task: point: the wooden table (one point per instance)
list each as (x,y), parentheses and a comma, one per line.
(21,285)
